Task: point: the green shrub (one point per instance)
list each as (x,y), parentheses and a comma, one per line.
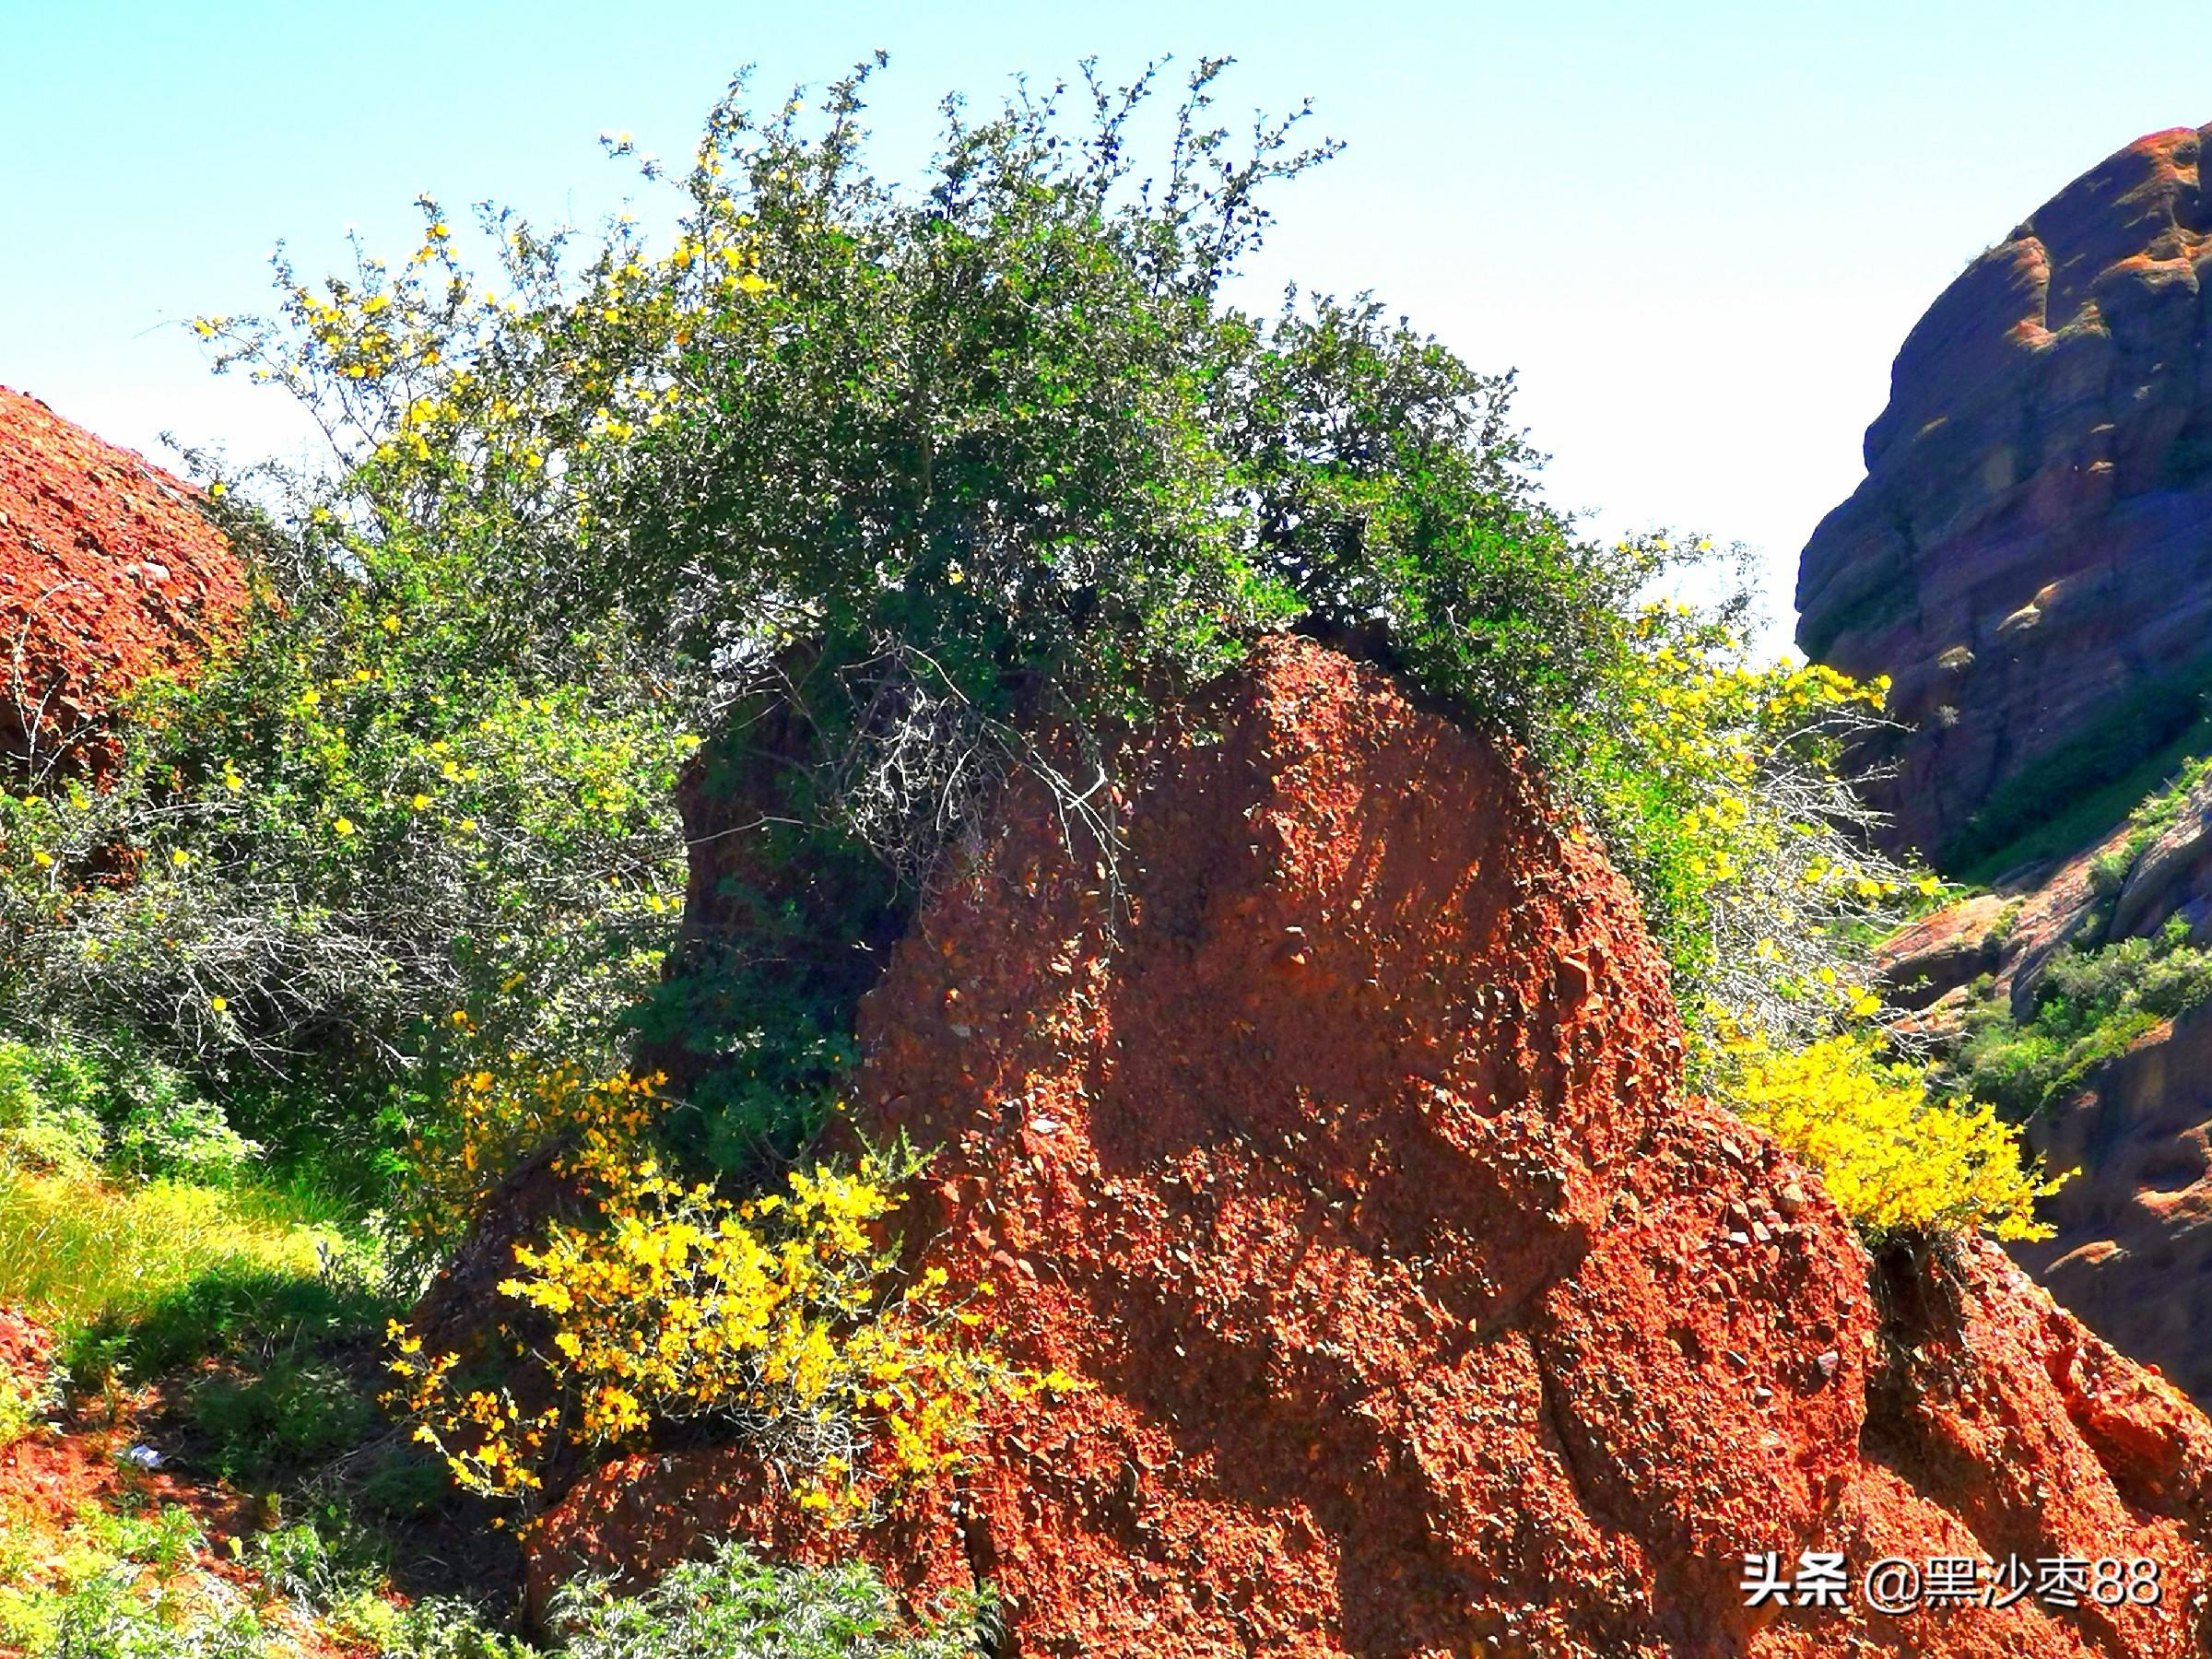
(880,483)
(297,1412)
(2108,871)
(321,1564)
(165,1539)
(2091,1005)
(2164,808)
(734,1605)
(66,1108)
(128,1584)
(116,1615)
(435,1627)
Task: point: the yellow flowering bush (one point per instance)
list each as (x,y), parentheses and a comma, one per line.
(492,1120)
(1891,1156)
(784,1315)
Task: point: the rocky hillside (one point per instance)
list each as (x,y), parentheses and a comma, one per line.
(2030,557)
(2135,1131)
(107,570)
(1415,1311)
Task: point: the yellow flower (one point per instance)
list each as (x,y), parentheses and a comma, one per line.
(180,858)
(342,827)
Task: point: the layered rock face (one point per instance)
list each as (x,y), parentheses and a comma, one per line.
(2030,557)
(107,571)
(1418,1313)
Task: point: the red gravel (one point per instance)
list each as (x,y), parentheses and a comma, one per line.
(108,570)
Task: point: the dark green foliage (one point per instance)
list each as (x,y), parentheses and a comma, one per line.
(245,1314)
(292,1415)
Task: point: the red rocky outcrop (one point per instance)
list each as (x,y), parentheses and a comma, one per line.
(108,570)
(2030,557)
(1420,1314)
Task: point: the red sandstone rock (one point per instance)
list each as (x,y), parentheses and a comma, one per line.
(108,570)
(2032,548)
(2033,538)
(1422,1314)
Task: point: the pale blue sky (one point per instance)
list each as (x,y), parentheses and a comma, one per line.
(1699,229)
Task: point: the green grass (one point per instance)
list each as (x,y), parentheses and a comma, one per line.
(73,1251)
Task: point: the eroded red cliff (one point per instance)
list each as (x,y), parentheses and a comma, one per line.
(1420,1314)
(108,570)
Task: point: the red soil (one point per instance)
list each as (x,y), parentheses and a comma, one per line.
(108,570)
(1422,1314)
(48,1479)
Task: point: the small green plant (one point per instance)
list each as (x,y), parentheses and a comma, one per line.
(2163,809)
(2108,871)
(2001,931)
(434,1628)
(26,1405)
(734,1605)
(124,1583)
(325,1562)
(296,1412)
(119,1615)
(166,1538)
